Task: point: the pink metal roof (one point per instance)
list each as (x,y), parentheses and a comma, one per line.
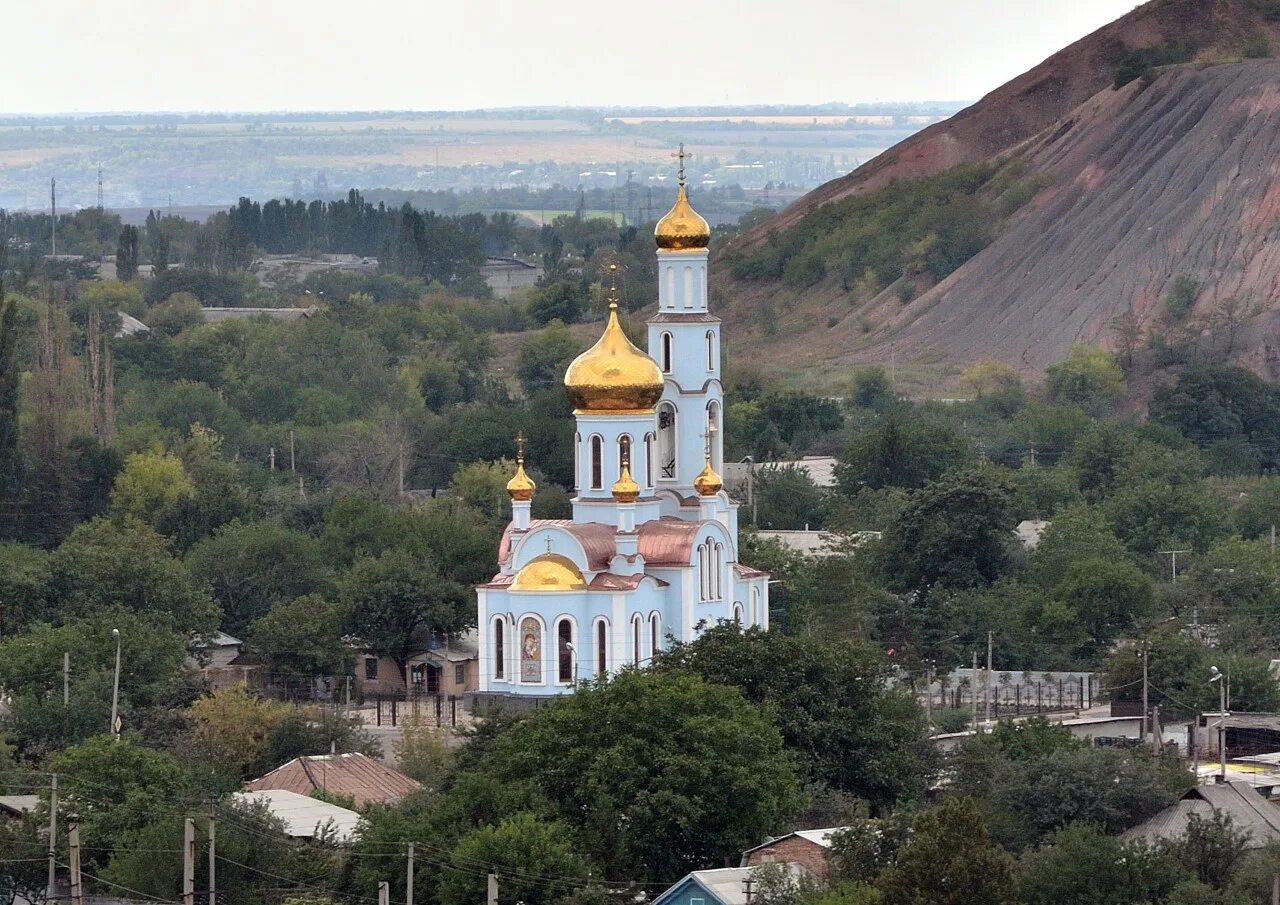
(358,775)
(663,542)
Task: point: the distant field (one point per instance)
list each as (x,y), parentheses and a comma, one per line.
(862,119)
(586,149)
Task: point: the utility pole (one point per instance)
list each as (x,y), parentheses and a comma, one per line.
(273,458)
(50,891)
(293,462)
(73,846)
(1146,645)
(100,204)
(973,690)
(1174,561)
(384,893)
(408,880)
(188,862)
(492,897)
(114,728)
(928,692)
(53,208)
(66,678)
(213,854)
(986,691)
(1275,889)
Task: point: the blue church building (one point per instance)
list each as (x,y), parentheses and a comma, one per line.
(651,552)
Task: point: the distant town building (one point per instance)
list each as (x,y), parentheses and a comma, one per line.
(305,817)
(818,543)
(821,469)
(130,326)
(1249,811)
(436,666)
(727,886)
(505,275)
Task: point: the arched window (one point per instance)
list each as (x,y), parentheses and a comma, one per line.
(737,614)
(499,650)
(564,649)
(666,353)
(602,648)
(577,460)
(711,350)
(704,571)
(648,460)
(755,606)
(719,571)
(713,427)
(667,440)
(624,451)
(597,462)
(635,639)
(655,633)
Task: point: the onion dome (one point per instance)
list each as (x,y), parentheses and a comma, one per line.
(613,377)
(683,228)
(549,572)
(708,483)
(521,487)
(625,489)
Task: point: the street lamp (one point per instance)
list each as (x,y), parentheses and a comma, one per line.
(114,728)
(1222,721)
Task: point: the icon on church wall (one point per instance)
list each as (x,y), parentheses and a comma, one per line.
(530,650)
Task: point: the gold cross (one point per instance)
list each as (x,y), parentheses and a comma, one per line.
(520,447)
(681,155)
(548,543)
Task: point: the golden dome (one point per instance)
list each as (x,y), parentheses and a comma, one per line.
(613,376)
(683,228)
(708,483)
(625,489)
(549,572)
(521,486)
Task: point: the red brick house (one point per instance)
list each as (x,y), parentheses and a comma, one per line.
(806,847)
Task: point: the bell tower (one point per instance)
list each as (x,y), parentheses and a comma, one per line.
(684,339)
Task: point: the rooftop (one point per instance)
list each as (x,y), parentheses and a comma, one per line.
(304,817)
(357,775)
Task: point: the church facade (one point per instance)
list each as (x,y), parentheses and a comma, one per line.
(651,553)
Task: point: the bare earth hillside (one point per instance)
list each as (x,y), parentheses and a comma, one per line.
(1178,176)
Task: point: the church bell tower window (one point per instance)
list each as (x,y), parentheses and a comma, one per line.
(597,463)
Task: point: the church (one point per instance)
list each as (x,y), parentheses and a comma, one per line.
(651,553)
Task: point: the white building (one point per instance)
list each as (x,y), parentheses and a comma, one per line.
(651,552)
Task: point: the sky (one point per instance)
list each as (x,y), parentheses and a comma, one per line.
(273,55)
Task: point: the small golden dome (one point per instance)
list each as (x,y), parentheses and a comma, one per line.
(521,486)
(683,228)
(549,572)
(613,376)
(625,489)
(708,483)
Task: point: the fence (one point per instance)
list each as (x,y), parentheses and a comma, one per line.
(1016,699)
(390,709)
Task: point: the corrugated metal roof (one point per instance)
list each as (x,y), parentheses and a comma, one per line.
(17,805)
(358,775)
(725,885)
(1249,812)
(304,817)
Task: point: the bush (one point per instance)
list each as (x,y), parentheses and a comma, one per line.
(952,720)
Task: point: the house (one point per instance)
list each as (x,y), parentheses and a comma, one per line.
(807,848)
(1249,812)
(130,326)
(738,475)
(15,806)
(1029,532)
(505,275)
(217,315)
(221,660)
(304,817)
(436,666)
(818,543)
(355,775)
(725,886)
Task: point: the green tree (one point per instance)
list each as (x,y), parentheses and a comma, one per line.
(1219,404)
(396,600)
(1107,598)
(641,767)
(1089,378)
(950,860)
(787,498)
(559,300)
(533,857)
(150,487)
(543,359)
(1149,516)
(955,531)
(26,587)
(301,637)
(832,701)
(1082,865)
(10,378)
(255,566)
(901,451)
(127,254)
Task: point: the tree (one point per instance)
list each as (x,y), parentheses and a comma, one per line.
(1088,378)
(301,637)
(533,857)
(10,379)
(1213,405)
(104,565)
(127,254)
(150,487)
(559,300)
(231,728)
(832,702)
(1151,515)
(950,861)
(396,600)
(787,498)
(26,587)
(1210,847)
(955,531)
(543,359)
(1107,598)
(1082,865)
(901,451)
(641,767)
(252,567)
